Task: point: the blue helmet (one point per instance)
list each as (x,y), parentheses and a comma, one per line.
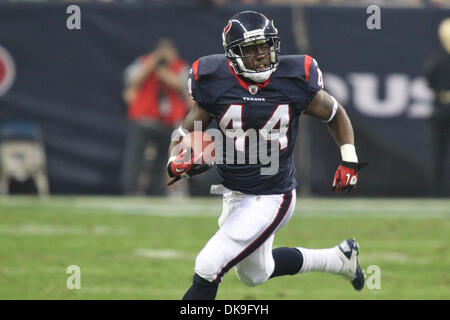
(249,28)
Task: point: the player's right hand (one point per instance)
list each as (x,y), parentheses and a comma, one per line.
(185,166)
(346,176)
(179,165)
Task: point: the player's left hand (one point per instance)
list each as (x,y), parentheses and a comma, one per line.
(346,176)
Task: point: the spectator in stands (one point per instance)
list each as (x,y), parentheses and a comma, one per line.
(156,95)
(438,77)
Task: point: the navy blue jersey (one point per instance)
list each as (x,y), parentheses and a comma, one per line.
(271,109)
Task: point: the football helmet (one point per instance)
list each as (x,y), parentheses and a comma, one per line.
(249,28)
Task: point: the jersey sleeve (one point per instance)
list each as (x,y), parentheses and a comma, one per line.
(313,76)
(308,78)
(194,85)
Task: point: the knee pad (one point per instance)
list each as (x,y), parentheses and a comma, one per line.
(253,275)
(206,266)
(252,279)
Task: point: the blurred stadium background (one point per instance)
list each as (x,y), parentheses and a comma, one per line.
(61,90)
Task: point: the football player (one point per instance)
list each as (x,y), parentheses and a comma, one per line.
(252,86)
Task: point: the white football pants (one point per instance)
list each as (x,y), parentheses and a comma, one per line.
(244,240)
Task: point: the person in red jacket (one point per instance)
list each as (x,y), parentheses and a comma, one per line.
(157,102)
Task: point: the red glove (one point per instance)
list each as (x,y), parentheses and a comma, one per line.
(346,176)
(185,166)
(180,165)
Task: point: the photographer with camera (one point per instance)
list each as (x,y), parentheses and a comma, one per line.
(156,96)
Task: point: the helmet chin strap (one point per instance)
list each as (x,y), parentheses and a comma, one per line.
(258,76)
(252,75)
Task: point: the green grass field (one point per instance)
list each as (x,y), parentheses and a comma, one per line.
(144,248)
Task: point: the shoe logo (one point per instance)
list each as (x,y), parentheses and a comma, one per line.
(344,247)
(179,170)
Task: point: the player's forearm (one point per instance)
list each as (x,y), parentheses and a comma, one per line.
(196,114)
(173,147)
(341,130)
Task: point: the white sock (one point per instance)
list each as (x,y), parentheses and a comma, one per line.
(325,260)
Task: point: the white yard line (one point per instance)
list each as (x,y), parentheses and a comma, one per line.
(162,254)
(394,257)
(46,229)
(320,208)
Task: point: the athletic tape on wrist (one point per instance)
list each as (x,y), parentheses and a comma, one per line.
(171,159)
(176,134)
(348,153)
(182,132)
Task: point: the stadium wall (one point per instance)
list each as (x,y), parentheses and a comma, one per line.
(70,83)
